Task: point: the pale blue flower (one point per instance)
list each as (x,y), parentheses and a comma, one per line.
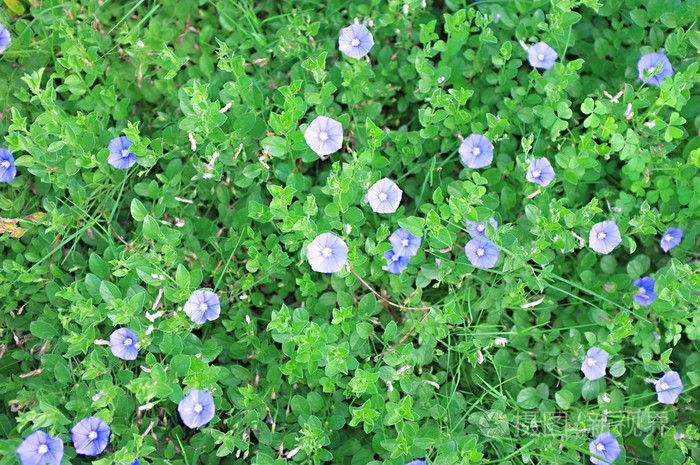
(39,448)
(395,263)
(476,151)
(355,40)
(649,63)
(384,196)
(671,238)
(481,253)
(604,237)
(645,295)
(476,228)
(595,362)
(203,305)
(324,135)
(5,38)
(540,172)
(405,244)
(119,155)
(669,387)
(8,170)
(90,436)
(123,342)
(196,408)
(327,253)
(542,56)
(416,462)
(605,446)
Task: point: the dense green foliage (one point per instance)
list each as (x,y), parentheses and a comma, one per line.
(360,366)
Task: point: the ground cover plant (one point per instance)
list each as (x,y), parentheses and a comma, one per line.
(370,232)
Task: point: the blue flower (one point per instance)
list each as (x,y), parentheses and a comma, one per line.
(196,408)
(476,151)
(671,238)
(8,170)
(593,366)
(135,462)
(476,228)
(540,172)
(542,56)
(5,38)
(202,306)
(669,387)
(324,135)
(355,40)
(645,295)
(416,462)
(123,344)
(119,155)
(604,237)
(605,446)
(481,253)
(39,448)
(327,253)
(405,244)
(90,436)
(649,63)
(395,263)
(384,196)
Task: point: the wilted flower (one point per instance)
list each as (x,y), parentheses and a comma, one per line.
(196,408)
(355,41)
(405,244)
(481,253)
(645,295)
(540,171)
(542,56)
(324,135)
(595,362)
(8,170)
(395,263)
(605,446)
(123,342)
(5,38)
(671,238)
(476,228)
(39,448)
(90,436)
(604,237)
(384,196)
(476,151)
(668,387)
(327,253)
(202,306)
(649,63)
(119,155)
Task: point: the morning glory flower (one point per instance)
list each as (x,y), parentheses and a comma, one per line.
(90,436)
(645,295)
(355,41)
(542,56)
(119,155)
(39,448)
(405,244)
(395,263)
(604,237)
(593,366)
(416,462)
(196,408)
(327,253)
(476,228)
(324,135)
(671,238)
(481,253)
(202,306)
(5,38)
(649,62)
(668,387)
(135,462)
(476,151)
(123,342)
(8,170)
(540,172)
(384,196)
(605,446)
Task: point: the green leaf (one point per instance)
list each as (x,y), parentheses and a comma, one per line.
(43,329)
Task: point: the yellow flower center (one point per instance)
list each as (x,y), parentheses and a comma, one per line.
(404,242)
(43,449)
(327,252)
(664,386)
(600,447)
(92,435)
(198,408)
(480,252)
(382,196)
(128,341)
(323,136)
(476,151)
(601,235)
(5,164)
(355,42)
